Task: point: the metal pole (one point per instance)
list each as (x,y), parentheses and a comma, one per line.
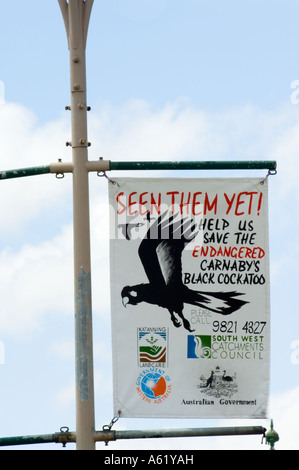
(76,15)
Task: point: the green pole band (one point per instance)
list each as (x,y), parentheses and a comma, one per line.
(22,172)
(187,165)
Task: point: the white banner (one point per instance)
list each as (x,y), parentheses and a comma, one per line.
(190,297)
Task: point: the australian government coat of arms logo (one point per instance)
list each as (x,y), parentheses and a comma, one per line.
(217,382)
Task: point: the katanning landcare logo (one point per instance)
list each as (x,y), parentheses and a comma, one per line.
(152,346)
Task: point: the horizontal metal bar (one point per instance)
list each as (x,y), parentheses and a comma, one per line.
(59,437)
(60,168)
(99,165)
(106,165)
(23,172)
(206,165)
(107,436)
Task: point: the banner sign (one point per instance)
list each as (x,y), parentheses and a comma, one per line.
(190,297)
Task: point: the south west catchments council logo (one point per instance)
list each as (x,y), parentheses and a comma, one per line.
(153,385)
(199,346)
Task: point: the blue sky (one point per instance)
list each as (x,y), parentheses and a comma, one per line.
(218,54)
(167,80)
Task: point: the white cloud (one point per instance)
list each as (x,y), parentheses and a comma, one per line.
(24,144)
(34,281)
(66,396)
(138,132)
(64,349)
(284,407)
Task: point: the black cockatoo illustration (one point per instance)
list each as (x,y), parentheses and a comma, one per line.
(160,253)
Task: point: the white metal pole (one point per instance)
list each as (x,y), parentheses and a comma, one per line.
(76,15)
